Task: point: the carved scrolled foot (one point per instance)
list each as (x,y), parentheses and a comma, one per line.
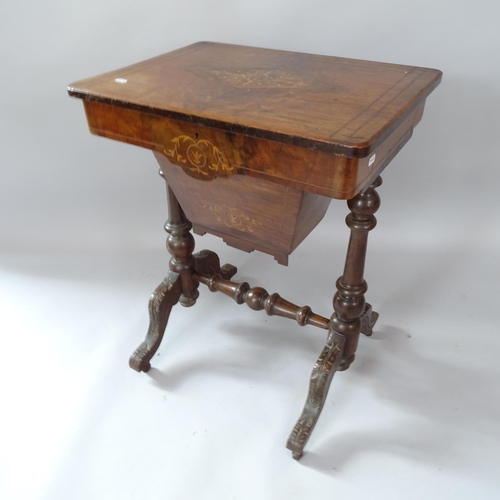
(321,377)
(228,271)
(162,300)
(368,320)
(207,263)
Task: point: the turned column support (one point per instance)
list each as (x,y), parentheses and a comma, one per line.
(180,245)
(349,301)
(351,317)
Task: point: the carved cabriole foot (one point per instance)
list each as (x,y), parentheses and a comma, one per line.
(321,377)
(207,263)
(161,302)
(368,320)
(165,296)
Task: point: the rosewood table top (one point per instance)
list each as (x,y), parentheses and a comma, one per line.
(322,124)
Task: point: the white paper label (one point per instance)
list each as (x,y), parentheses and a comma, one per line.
(371,161)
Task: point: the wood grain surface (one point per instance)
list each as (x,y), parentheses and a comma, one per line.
(330,104)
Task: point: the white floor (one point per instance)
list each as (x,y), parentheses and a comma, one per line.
(416,416)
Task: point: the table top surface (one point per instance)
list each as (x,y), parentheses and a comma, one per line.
(336,105)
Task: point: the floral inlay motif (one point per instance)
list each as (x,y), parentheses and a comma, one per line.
(258,78)
(233,217)
(199,156)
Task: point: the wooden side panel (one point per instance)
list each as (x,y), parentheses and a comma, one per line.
(371,166)
(120,124)
(204,152)
(260,213)
(312,209)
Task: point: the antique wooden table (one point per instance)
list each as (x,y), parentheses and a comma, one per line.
(253,144)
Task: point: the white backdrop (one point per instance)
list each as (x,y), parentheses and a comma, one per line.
(82,247)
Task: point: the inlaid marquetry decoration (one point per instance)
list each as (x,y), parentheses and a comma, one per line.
(257,78)
(233,217)
(198,158)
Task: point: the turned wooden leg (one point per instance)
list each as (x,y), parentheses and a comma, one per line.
(351,317)
(161,302)
(180,245)
(349,302)
(178,286)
